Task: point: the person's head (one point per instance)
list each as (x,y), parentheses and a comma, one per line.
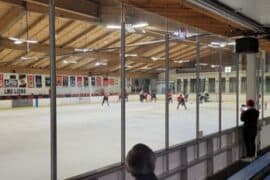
(250,103)
(140,160)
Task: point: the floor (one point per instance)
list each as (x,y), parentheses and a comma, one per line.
(89,134)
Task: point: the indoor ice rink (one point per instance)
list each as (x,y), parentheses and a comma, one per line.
(82,82)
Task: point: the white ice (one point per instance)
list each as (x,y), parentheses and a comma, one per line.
(89,135)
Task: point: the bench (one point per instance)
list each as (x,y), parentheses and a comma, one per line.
(252,169)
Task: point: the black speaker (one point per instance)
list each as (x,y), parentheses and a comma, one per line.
(247,45)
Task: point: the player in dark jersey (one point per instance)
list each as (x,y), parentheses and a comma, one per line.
(153,96)
(105,98)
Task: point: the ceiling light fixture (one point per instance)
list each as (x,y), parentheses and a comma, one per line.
(100,64)
(182,61)
(131,55)
(83,49)
(140,25)
(20,41)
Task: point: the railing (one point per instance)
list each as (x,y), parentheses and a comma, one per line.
(192,160)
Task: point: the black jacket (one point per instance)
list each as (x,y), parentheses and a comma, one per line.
(250,118)
(147,177)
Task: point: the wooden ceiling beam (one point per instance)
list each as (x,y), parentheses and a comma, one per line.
(82,11)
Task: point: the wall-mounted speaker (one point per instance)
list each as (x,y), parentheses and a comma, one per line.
(247,45)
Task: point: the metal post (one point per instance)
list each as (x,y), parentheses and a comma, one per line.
(53,128)
(263,78)
(167,78)
(220,91)
(123,85)
(237,88)
(197,89)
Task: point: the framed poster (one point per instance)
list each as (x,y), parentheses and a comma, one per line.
(11,81)
(98,81)
(65,81)
(105,81)
(85,81)
(111,82)
(93,81)
(72,81)
(79,81)
(47,81)
(1,81)
(59,80)
(22,81)
(38,81)
(30,81)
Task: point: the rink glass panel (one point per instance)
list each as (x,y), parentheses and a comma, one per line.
(89,132)
(25,128)
(145,114)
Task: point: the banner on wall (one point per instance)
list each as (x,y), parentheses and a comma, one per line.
(98,81)
(105,81)
(22,81)
(65,81)
(85,81)
(47,81)
(1,81)
(30,81)
(111,82)
(11,81)
(72,81)
(38,81)
(79,81)
(93,81)
(59,80)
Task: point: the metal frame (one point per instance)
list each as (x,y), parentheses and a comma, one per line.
(123,85)
(53,111)
(197,89)
(237,60)
(220,53)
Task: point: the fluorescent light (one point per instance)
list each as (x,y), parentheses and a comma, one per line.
(18,42)
(214,66)
(161,69)
(217,44)
(128,66)
(203,64)
(65,62)
(83,49)
(32,41)
(157,58)
(28,58)
(144,68)
(228,69)
(231,43)
(101,64)
(111,26)
(140,25)
(131,55)
(182,61)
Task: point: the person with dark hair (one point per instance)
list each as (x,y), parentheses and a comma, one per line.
(153,96)
(140,162)
(250,118)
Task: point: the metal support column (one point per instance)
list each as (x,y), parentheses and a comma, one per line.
(167,78)
(237,56)
(220,91)
(197,89)
(197,97)
(263,78)
(123,85)
(53,125)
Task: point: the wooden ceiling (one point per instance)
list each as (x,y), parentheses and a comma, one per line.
(84,26)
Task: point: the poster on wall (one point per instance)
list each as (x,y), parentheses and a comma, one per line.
(65,81)
(1,81)
(85,81)
(38,81)
(105,81)
(79,81)
(93,81)
(11,81)
(98,81)
(72,81)
(111,82)
(30,81)
(22,80)
(47,81)
(59,80)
